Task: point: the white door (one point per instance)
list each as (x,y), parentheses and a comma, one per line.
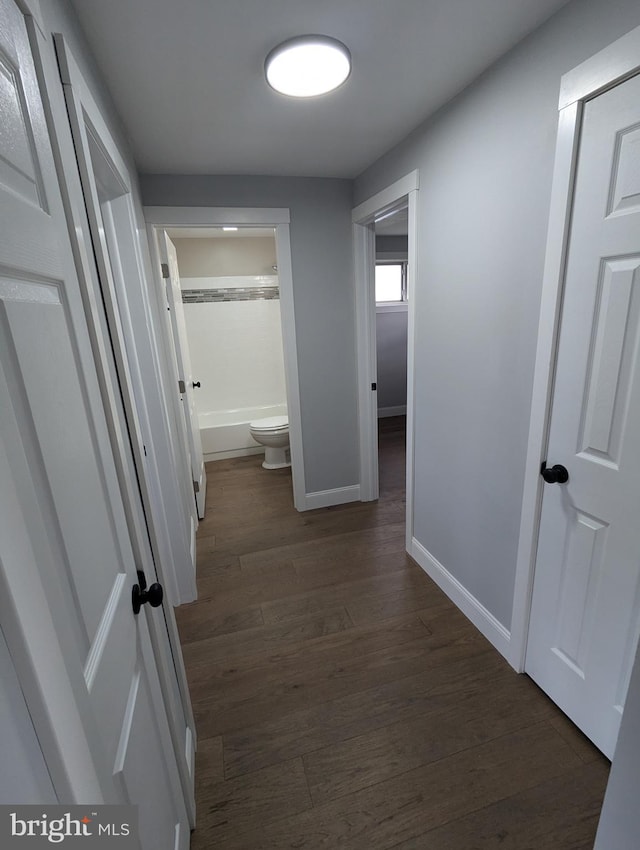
(185,375)
(65,554)
(585,616)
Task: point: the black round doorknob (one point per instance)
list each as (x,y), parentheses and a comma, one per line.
(196,384)
(557,474)
(140,595)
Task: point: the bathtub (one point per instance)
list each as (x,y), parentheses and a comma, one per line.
(225,433)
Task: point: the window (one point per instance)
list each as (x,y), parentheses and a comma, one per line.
(391,282)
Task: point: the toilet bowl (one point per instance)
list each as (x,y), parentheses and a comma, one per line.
(273,434)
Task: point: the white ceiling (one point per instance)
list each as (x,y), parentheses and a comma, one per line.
(187,76)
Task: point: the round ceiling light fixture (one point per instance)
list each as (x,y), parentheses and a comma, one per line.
(307,66)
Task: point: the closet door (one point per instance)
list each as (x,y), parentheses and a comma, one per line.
(67,569)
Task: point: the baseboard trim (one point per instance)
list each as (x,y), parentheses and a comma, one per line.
(475,611)
(384,412)
(327,498)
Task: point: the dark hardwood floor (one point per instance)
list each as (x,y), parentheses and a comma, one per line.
(342,701)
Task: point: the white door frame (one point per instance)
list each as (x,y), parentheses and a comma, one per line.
(606,69)
(363,218)
(159,218)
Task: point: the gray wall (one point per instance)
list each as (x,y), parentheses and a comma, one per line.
(324,302)
(485,164)
(391,350)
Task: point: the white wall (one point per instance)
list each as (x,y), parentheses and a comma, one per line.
(322,262)
(235,346)
(485,163)
(236,352)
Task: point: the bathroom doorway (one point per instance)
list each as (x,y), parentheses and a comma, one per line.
(237,303)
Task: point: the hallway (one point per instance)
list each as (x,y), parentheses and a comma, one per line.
(342,701)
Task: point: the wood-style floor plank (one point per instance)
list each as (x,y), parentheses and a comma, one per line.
(559,813)
(342,701)
(403,808)
(250,802)
(438,689)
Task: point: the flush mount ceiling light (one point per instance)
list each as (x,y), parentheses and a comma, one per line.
(307,66)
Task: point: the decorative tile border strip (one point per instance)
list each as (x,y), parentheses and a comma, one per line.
(252,293)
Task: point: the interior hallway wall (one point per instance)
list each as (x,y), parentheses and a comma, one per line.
(321,256)
(485,164)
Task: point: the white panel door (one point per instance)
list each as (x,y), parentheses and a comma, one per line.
(70,544)
(585,616)
(185,373)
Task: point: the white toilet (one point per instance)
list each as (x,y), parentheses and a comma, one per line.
(273,434)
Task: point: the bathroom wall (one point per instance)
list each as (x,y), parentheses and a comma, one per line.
(233,322)
(226,255)
(391,338)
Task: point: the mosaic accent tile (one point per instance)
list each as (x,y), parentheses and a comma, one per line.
(252,293)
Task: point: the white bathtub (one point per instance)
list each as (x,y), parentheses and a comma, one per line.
(225,433)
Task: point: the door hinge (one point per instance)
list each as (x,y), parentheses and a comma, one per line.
(165,269)
(182,387)
(144,448)
(196,487)
(374,386)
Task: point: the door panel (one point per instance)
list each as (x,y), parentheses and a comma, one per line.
(584,619)
(38,350)
(61,471)
(185,373)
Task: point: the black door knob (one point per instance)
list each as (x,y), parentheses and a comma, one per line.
(557,474)
(196,384)
(140,595)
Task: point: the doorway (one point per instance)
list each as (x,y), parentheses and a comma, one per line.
(395,205)
(230,313)
(191,224)
(391,302)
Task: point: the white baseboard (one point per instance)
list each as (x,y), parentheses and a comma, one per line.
(384,412)
(327,498)
(475,611)
(259,450)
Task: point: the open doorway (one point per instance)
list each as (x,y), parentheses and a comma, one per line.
(391,300)
(389,214)
(235,296)
(232,337)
